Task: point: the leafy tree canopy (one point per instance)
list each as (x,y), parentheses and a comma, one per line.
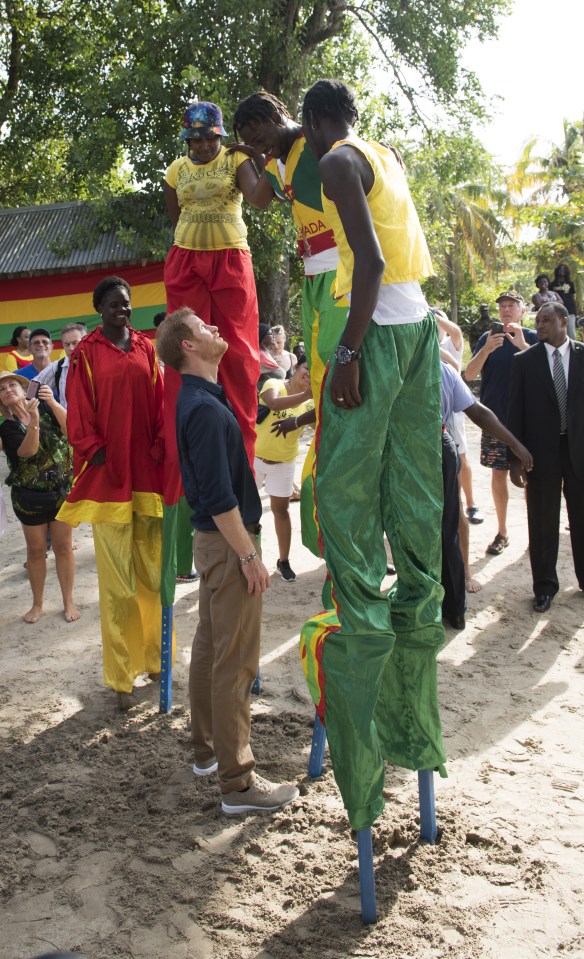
(89,84)
(92,91)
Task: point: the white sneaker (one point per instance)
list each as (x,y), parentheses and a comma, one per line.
(260,796)
(206,767)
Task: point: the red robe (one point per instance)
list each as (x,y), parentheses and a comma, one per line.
(114,400)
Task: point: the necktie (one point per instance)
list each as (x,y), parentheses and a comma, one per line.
(561,389)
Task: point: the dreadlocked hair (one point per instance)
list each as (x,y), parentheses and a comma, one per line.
(257,108)
(333,99)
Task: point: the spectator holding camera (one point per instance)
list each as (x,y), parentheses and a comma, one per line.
(33,436)
(492,358)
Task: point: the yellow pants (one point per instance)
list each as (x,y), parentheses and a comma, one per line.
(129,558)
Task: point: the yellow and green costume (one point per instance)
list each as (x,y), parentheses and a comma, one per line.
(297,181)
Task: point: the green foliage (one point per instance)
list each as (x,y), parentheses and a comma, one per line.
(114,75)
(551,191)
(92,94)
(462,208)
(272,237)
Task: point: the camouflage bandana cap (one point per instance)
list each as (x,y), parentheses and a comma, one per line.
(202,119)
(511,295)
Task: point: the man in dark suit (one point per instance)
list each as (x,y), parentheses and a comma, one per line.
(546,412)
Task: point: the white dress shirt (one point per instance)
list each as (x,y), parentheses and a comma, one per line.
(564,353)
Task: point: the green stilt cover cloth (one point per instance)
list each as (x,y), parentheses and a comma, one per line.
(375,706)
(177,546)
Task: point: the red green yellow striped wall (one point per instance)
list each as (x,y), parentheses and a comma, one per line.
(54,300)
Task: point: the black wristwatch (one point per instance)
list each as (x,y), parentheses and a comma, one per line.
(344,355)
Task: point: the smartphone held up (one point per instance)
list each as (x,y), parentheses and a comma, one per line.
(33,390)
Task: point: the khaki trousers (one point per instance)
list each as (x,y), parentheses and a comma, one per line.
(224,661)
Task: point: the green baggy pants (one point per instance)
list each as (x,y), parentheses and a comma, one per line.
(371,663)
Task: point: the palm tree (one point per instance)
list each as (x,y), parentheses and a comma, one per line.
(470,215)
(567,161)
(551,192)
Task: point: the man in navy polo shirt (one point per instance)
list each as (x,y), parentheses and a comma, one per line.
(492,358)
(220,489)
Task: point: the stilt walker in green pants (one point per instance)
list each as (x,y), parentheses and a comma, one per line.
(371,663)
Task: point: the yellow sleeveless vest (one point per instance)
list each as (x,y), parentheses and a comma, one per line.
(395,220)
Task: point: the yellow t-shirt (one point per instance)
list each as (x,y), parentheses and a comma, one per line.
(210,203)
(280,449)
(395,220)
(8,361)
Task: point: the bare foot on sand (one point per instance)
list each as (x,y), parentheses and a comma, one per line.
(472,586)
(33,614)
(71,614)
(125,702)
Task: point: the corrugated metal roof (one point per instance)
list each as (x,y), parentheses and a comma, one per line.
(31,239)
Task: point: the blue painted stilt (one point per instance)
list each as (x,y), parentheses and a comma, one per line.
(256,686)
(366,876)
(166,660)
(428,830)
(364,841)
(317,748)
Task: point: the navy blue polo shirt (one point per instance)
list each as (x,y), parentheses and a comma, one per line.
(215,470)
(496,373)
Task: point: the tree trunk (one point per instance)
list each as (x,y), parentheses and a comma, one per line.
(284,58)
(273,297)
(13,65)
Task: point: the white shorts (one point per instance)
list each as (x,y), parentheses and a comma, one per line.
(459,431)
(278,478)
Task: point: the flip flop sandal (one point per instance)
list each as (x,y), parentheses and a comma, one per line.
(498,545)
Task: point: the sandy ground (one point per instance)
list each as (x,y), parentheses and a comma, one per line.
(111,848)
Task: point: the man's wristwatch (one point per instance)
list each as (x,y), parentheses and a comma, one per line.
(344,355)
